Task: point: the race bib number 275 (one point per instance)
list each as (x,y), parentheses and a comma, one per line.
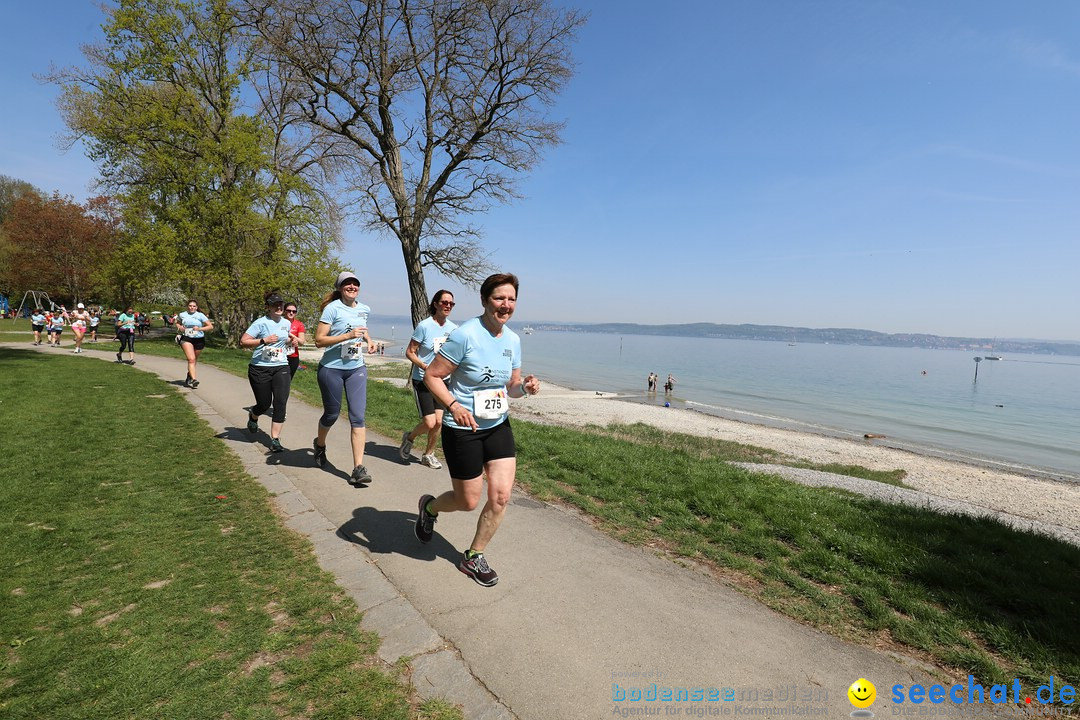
(490,404)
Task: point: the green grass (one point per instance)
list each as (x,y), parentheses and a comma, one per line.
(970,595)
(144,575)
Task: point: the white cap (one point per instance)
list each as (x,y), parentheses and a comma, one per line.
(80,306)
(343,276)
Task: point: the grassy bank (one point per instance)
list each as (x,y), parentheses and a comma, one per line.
(145,575)
(970,595)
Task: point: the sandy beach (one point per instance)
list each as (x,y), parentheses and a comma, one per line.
(1027,502)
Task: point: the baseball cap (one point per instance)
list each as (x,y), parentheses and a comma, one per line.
(345,275)
(274,299)
(80,306)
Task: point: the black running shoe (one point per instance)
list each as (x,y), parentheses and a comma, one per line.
(119,357)
(425,521)
(360,477)
(275,445)
(194,383)
(253,425)
(477,568)
(320,453)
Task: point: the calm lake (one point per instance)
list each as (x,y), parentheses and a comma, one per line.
(1023,412)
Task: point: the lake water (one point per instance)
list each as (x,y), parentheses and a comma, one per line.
(1022,413)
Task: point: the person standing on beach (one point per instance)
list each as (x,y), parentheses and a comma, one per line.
(125,331)
(670,384)
(268,371)
(427,339)
(342,330)
(296,330)
(482,363)
(653,377)
(192,326)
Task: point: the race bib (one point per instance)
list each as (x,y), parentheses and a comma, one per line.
(354,350)
(273,354)
(191,332)
(438,343)
(490,404)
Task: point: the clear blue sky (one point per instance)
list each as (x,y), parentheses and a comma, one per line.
(895,165)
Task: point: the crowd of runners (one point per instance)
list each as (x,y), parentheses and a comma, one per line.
(462,378)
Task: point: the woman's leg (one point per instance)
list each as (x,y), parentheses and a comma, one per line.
(280,384)
(192,358)
(331,383)
(356,395)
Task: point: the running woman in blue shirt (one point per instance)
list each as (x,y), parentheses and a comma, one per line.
(482,363)
(426,340)
(342,330)
(192,327)
(268,372)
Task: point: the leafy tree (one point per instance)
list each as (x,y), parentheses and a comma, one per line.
(209,205)
(10,190)
(57,245)
(430,109)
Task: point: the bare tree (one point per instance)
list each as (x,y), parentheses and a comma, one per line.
(427,110)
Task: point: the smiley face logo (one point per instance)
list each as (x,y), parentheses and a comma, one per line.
(862,693)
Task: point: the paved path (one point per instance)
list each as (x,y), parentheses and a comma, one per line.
(576,619)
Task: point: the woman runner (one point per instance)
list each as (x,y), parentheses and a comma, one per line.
(192,326)
(125,331)
(268,372)
(342,330)
(297,330)
(426,340)
(37,322)
(482,363)
(79,323)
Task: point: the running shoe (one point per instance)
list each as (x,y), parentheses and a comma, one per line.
(360,477)
(253,424)
(405,451)
(478,569)
(119,358)
(275,445)
(425,521)
(130,362)
(320,453)
(194,383)
(431,461)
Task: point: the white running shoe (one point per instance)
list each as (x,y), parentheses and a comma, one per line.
(405,450)
(431,461)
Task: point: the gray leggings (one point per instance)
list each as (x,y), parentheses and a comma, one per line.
(331,383)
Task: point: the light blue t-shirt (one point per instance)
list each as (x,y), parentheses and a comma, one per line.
(193,320)
(274,354)
(37,319)
(484,362)
(431,335)
(349,354)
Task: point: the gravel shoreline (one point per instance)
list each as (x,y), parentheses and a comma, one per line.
(1022,501)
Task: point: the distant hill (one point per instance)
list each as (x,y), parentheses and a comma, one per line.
(837,336)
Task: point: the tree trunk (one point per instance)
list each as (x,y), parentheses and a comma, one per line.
(418,303)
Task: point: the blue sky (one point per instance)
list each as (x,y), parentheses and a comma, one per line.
(907,166)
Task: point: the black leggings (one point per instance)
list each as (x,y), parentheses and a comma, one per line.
(127,340)
(271,387)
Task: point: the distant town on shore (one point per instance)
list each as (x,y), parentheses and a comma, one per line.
(836,336)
